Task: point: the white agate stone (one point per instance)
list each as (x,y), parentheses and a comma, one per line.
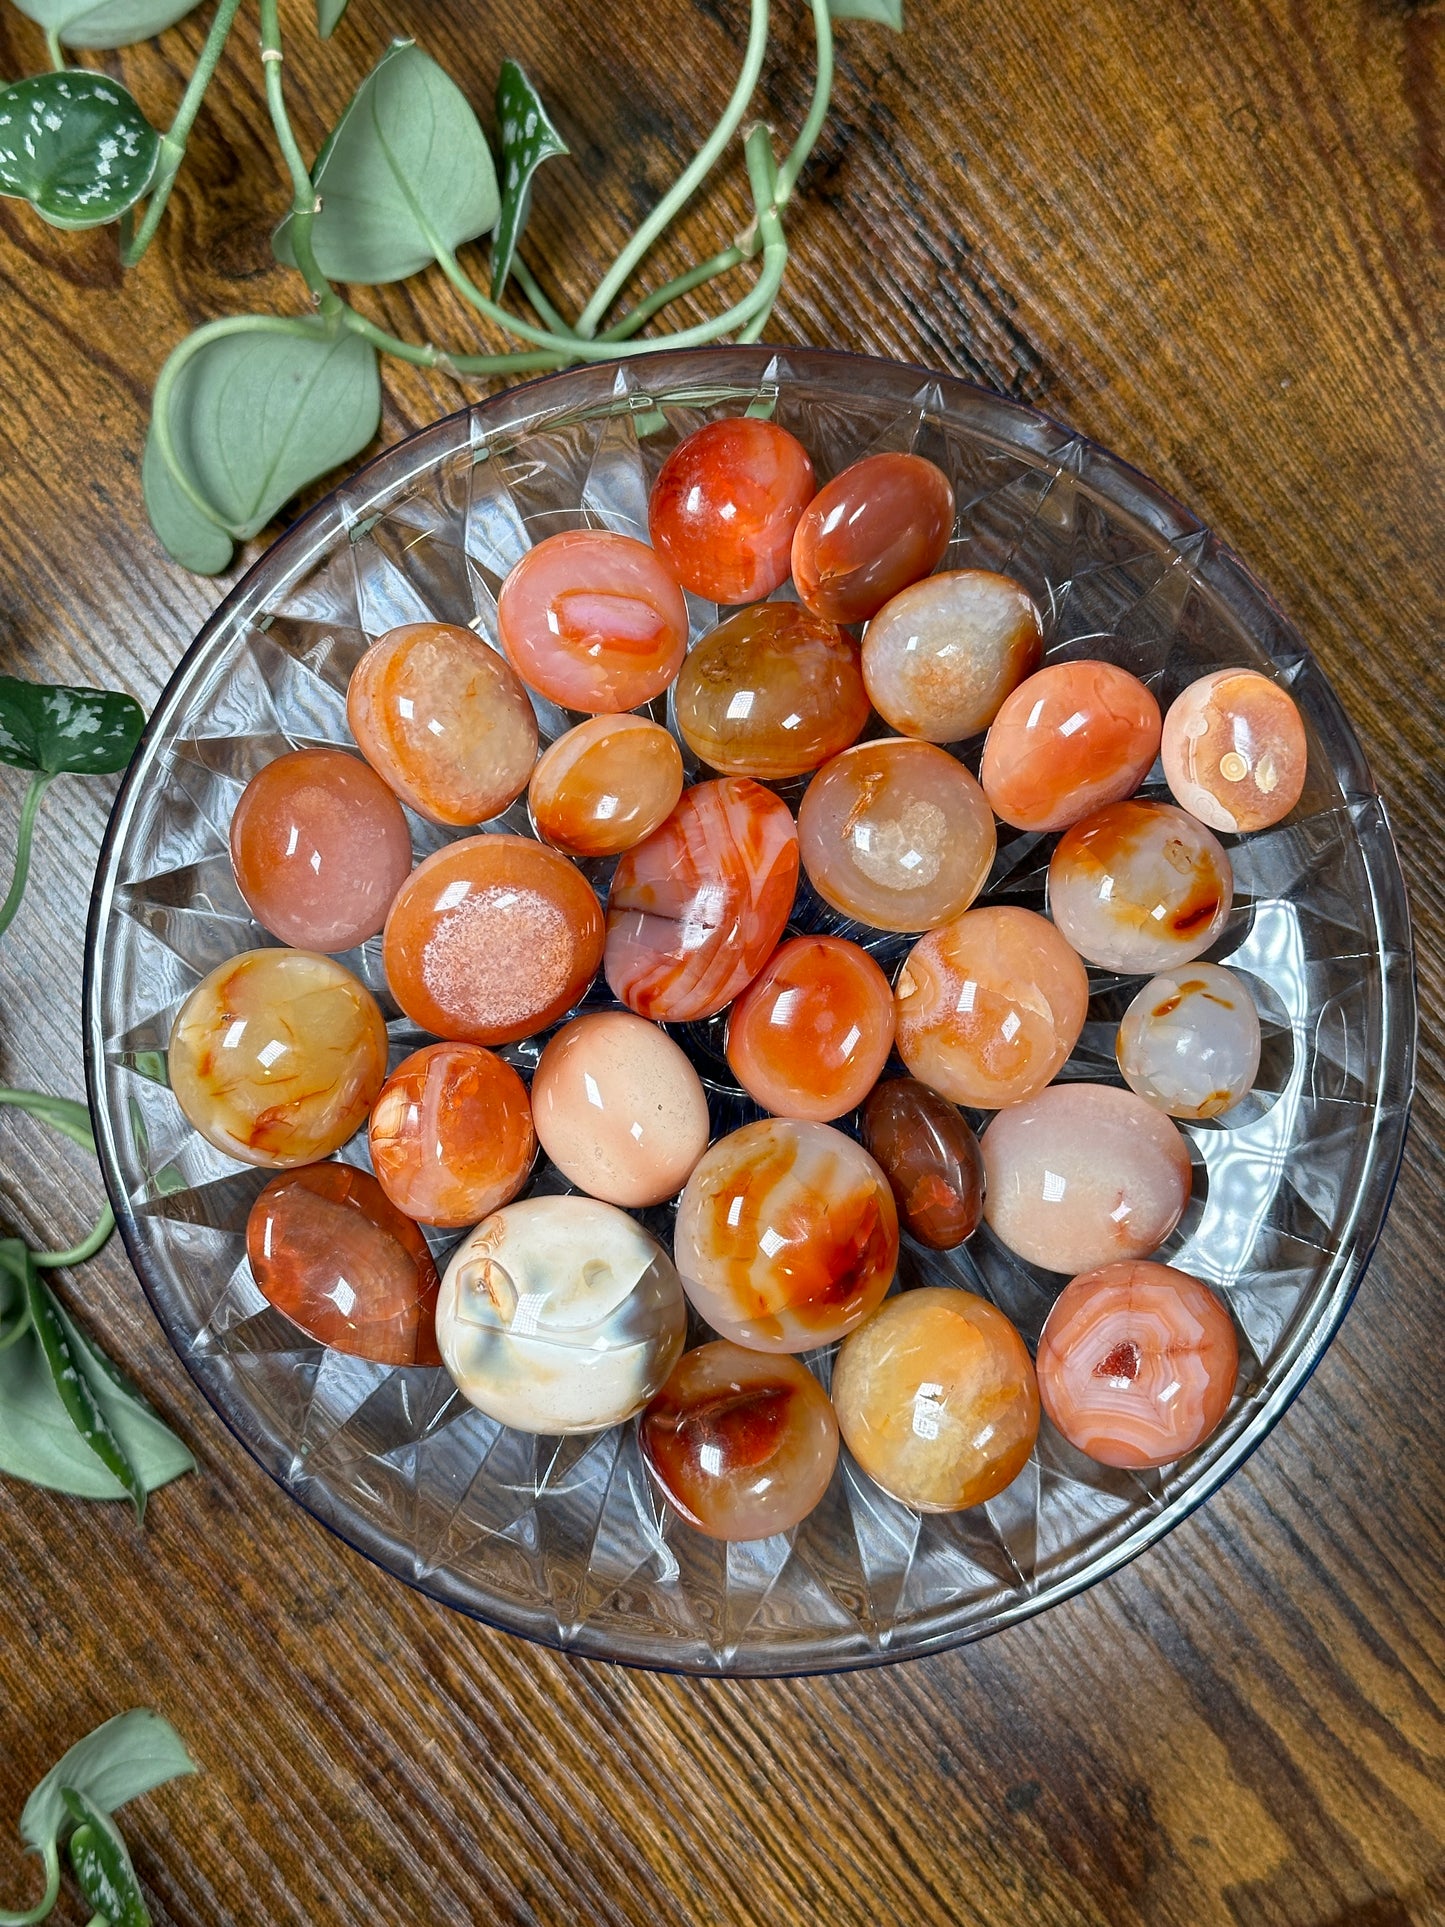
(1139,886)
(1189,1042)
(560,1315)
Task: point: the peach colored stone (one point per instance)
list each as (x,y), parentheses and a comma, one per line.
(619,1109)
(939,658)
(1084,1174)
(1137,1364)
(1139,886)
(1234,750)
(445,720)
(990,1006)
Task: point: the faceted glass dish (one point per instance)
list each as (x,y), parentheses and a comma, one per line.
(564,1540)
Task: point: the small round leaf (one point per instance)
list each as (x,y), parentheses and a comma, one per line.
(76,146)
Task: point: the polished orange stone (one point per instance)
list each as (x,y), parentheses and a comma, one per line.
(605,785)
(594,620)
(810,1035)
(1234,750)
(772,692)
(319,847)
(942,655)
(741,1444)
(896,834)
(937,1400)
(725,505)
(329,1249)
(880,525)
(990,1006)
(786,1236)
(1072,737)
(1139,886)
(451,1134)
(1137,1364)
(445,720)
(277,1056)
(696,911)
(491,939)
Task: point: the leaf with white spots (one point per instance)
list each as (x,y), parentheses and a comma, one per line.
(54,727)
(106,23)
(528,138)
(101,1863)
(76,146)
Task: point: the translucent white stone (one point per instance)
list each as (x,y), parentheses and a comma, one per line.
(1189,1042)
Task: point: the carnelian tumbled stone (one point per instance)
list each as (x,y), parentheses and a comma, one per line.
(319,847)
(990,1005)
(897,834)
(1137,1364)
(1139,886)
(445,720)
(329,1249)
(725,505)
(940,658)
(1070,738)
(937,1400)
(593,620)
(812,1031)
(930,1157)
(605,785)
(277,1056)
(741,1444)
(772,692)
(787,1235)
(881,524)
(451,1134)
(492,938)
(695,912)
(1234,750)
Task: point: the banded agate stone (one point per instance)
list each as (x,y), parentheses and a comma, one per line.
(942,655)
(605,785)
(1190,1041)
(725,505)
(451,1134)
(931,1159)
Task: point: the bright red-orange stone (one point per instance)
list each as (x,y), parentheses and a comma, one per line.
(773,691)
(725,505)
(605,785)
(491,939)
(444,720)
(881,524)
(319,847)
(451,1134)
(811,1034)
(695,912)
(1071,737)
(330,1250)
(1137,1364)
(593,620)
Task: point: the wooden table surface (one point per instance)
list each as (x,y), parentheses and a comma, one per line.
(1206,232)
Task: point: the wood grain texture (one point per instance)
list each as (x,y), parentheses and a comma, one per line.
(1206,232)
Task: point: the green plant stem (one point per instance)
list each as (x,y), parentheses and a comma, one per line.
(77,1254)
(54,49)
(276,324)
(39,783)
(304,202)
(46,1903)
(421,354)
(807,139)
(680,284)
(527,281)
(688,181)
(763,179)
(135,240)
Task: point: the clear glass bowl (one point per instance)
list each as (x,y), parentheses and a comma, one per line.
(564,1540)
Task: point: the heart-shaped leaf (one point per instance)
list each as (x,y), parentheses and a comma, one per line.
(102,1865)
(528,138)
(254,415)
(890,12)
(76,146)
(53,727)
(105,23)
(188,537)
(405,177)
(128,1756)
(328,16)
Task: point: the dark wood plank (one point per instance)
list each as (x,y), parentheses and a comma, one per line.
(1207,232)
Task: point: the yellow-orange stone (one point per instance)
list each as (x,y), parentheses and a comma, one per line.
(606,785)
